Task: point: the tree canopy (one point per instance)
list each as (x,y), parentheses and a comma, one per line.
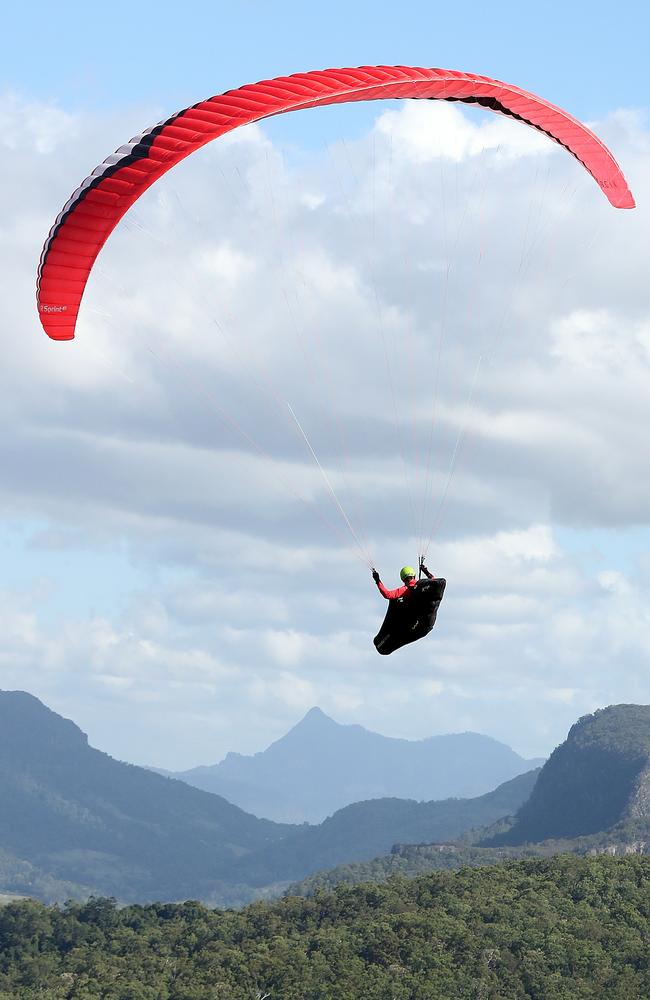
(564,928)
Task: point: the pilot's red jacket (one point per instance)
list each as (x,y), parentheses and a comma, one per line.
(394,595)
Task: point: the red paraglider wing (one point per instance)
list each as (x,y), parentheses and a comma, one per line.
(90,215)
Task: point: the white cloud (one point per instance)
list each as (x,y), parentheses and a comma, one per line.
(285,648)
(40,127)
(599,341)
(225,263)
(423,134)
(431,241)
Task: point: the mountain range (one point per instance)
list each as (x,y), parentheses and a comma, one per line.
(321,766)
(75,822)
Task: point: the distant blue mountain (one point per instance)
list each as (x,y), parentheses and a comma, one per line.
(321,766)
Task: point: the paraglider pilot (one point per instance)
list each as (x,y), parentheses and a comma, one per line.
(407,576)
(412,608)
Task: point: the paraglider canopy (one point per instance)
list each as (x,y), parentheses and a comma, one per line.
(90,215)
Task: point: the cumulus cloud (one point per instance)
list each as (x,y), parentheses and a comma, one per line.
(420,135)
(445,306)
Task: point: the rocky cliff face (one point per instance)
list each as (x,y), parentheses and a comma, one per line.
(621,850)
(640,801)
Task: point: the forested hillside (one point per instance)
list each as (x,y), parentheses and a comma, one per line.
(76,816)
(598,779)
(558,929)
(367,829)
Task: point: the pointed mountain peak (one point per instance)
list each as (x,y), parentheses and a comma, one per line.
(313,723)
(316,717)
(317,733)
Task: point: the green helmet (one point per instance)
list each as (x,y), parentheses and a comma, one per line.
(405,573)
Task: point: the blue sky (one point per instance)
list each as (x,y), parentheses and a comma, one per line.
(587,56)
(137,533)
